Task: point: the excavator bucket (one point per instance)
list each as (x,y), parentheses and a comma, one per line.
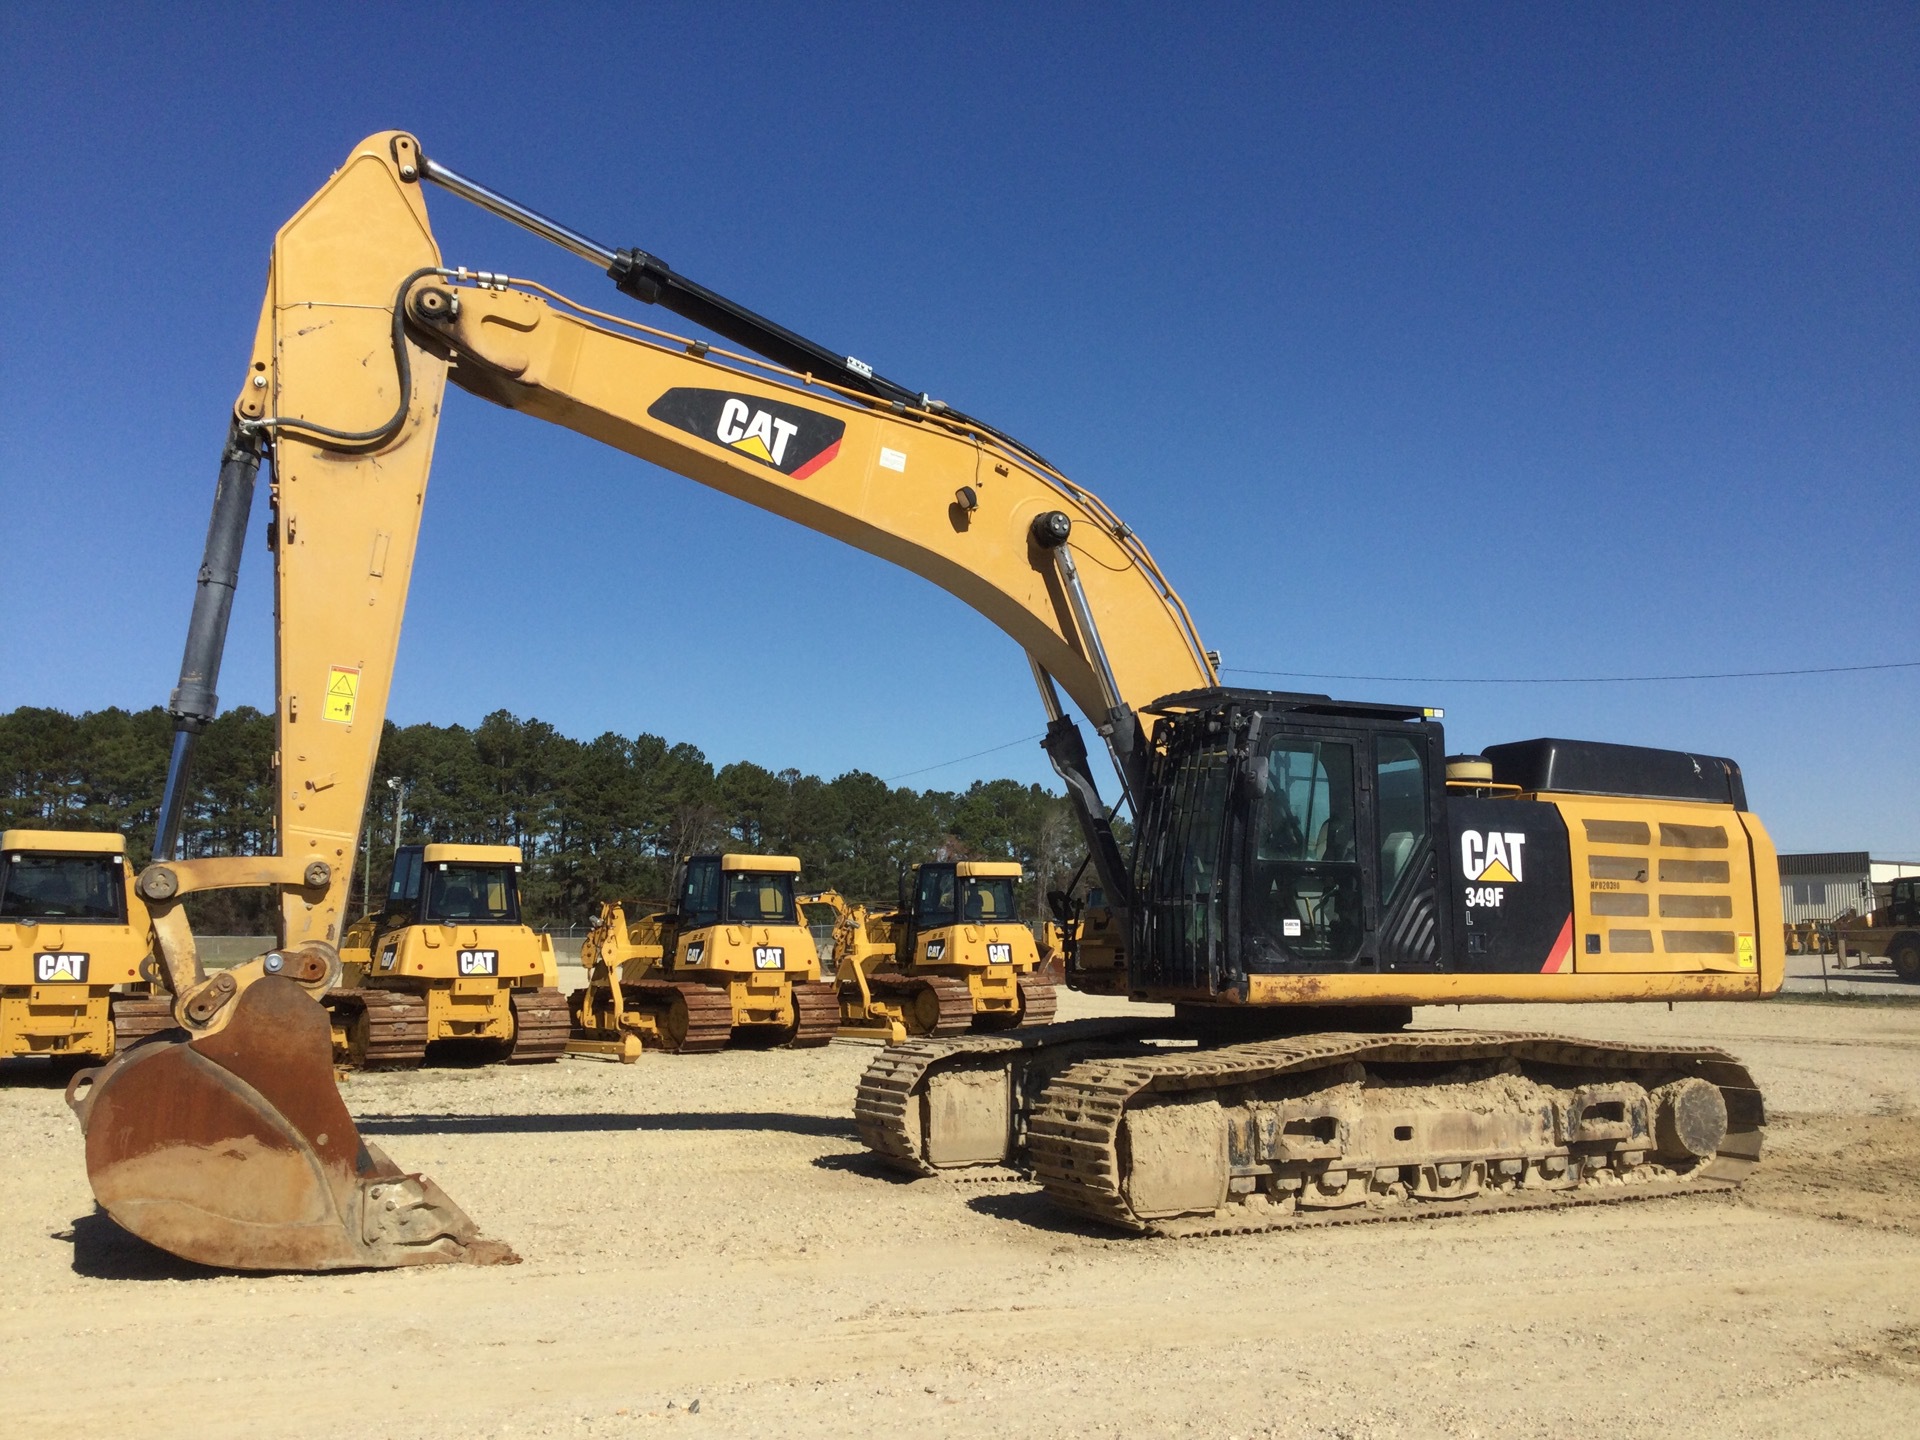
(234,1149)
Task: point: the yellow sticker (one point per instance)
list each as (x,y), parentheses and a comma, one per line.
(343,689)
(1744,951)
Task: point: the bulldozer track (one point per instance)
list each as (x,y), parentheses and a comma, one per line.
(541,1026)
(884,1109)
(954,998)
(1038,1000)
(816,1005)
(1075,1128)
(709,1012)
(135,1017)
(396,1025)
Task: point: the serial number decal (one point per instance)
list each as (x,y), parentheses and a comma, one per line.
(52,967)
(1000,954)
(479,962)
(1485,897)
(769,957)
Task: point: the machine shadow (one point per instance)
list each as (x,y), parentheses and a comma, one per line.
(594,1123)
(866,1165)
(1032,1209)
(103,1251)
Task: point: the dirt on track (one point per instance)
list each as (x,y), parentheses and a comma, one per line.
(707,1228)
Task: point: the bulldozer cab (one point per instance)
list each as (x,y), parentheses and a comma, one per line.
(453,885)
(728,903)
(75,879)
(958,908)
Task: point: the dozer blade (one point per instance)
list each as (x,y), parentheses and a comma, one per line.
(235,1150)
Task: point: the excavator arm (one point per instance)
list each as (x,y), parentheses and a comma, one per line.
(361,329)
(231,1147)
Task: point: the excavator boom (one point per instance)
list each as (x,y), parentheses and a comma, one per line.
(226,1144)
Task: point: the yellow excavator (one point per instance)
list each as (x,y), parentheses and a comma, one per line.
(447,959)
(732,959)
(75,949)
(955,958)
(1303,870)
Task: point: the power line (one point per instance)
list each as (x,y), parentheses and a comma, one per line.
(993,750)
(1576,679)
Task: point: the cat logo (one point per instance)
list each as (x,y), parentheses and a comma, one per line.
(60,967)
(479,962)
(783,437)
(769,957)
(695,951)
(935,949)
(999,954)
(1493,858)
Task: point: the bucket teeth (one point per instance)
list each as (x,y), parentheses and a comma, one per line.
(234,1150)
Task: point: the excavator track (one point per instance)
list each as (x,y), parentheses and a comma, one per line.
(952,1001)
(1038,1000)
(135,1017)
(708,1012)
(816,1005)
(890,1107)
(1281,1133)
(541,1026)
(395,1024)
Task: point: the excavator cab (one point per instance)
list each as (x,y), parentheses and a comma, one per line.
(75,942)
(447,958)
(731,958)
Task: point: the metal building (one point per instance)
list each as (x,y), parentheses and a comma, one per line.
(1825,887)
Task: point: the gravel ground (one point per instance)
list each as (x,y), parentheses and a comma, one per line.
(707,1230)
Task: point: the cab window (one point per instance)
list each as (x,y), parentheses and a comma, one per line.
(62,887)
(1401,785)
(1304,894)
(479,894)
(759,899)
(934,897)
(700,894)
(987,901)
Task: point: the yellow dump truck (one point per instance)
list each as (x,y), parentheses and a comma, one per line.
(74,946)
(447,958)
(730,958)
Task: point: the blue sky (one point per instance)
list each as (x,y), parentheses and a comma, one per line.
(1444,341)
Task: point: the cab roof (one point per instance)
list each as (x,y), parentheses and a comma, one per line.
(472,854)
(89,842)
(762,864)
(988,869)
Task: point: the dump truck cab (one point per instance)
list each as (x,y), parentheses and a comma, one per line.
(74,942)
(447,957)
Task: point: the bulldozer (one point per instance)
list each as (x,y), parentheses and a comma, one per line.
(76,949)
(447,959)
(956,957)
(731,960)
(1301,872)
(1093,958)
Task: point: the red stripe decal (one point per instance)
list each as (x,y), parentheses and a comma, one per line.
(817,461)
(1560,958)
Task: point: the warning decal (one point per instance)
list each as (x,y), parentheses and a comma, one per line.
(343,691)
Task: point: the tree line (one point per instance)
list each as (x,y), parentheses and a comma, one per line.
(597,819)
